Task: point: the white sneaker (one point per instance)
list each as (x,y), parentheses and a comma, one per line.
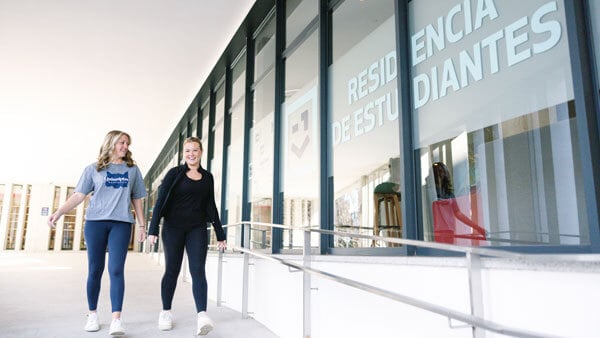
(205,324)
(165,320)
(91,325)
(116,328)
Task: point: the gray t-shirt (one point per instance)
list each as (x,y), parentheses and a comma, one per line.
(113,189)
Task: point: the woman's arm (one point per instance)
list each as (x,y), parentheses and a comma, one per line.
(465,219)
(69,205)
(213,213)
(140,217)
(161,199)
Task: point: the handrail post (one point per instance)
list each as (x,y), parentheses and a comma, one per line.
(475,290)
(245,272)
(220,278)
(306,287)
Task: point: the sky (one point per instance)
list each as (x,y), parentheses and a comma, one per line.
(72,70)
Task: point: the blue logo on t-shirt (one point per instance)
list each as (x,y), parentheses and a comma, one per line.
(117,180)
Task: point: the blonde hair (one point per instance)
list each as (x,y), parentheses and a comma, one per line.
(108,146)
(193,139)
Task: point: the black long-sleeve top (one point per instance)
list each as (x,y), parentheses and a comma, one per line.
(181,205)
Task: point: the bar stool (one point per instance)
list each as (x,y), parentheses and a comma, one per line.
(387,203)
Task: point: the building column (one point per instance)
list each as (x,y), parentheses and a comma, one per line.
(78,227)
(5,216)
(58,235)
(21,218)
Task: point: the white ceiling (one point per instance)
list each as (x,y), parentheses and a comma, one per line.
(72,70)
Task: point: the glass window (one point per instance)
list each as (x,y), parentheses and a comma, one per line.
(299,14)
(235,153)
(217,160)
(192,126)
(13,217)
(2,187)
(301,146)
(55,205)
(216,164)
(494,122)
(261,136)
(86,203)
(365,133)
(69,225)
(204,135)
(27,199)
(595,15)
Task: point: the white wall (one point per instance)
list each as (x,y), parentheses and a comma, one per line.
(38,232)
(552,298)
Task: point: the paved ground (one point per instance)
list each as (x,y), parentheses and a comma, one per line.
(43,295)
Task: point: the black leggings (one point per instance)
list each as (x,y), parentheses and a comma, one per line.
(195,242)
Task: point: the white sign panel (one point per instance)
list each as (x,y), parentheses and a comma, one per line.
(480,62)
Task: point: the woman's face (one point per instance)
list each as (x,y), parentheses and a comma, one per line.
(121,147)
(192,154)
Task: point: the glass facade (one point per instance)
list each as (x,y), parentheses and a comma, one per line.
(2,187)
(82,245)
(235,151)
(466,133)
(68,234)
(216,164)
(13,217)
(298,16)
(300,121)
(504,169)
(261,135)
(365,134)
(26,219)
(595,19)
(55,205)
(204,112)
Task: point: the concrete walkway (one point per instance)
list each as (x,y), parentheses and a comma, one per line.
(43,295)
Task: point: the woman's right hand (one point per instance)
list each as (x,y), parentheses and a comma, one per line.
(152,239)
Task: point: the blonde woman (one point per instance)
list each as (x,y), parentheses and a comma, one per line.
(186,201)
(116,183)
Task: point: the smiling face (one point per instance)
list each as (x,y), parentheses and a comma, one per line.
(192,152)
(120,148)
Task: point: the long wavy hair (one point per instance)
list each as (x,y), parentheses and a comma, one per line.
(108,146)
(443,181)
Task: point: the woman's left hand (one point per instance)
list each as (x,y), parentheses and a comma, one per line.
(142,234)
(222,245)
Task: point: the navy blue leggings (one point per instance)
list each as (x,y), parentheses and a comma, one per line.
(195,242)
(100,235)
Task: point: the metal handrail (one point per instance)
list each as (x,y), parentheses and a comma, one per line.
(433,245)
(473,256)
(450,313)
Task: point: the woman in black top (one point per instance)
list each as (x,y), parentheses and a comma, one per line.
(186,201)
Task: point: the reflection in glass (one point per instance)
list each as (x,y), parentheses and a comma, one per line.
(235,181)
(298,15)
(502,126)
(204,135)
(13,217)
(69,225)
(261,137)
(365,132)
(595,15)
(216,163)
(516,180)
(27,199)
(301,143)
(55,205)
